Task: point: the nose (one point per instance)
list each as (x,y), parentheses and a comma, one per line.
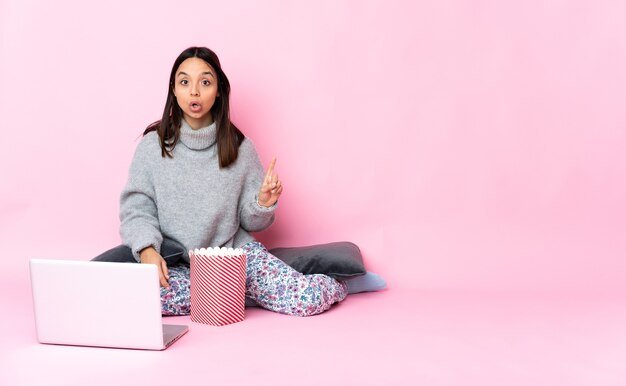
(194,91)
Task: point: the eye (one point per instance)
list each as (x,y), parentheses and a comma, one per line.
(184,82)
(206,82)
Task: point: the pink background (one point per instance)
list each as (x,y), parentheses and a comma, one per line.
(474,150)
(462,145)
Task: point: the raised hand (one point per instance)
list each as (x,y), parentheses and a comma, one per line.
(271,187)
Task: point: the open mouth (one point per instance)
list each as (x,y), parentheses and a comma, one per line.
(195,107)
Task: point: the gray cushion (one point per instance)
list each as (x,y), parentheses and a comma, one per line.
(339,260)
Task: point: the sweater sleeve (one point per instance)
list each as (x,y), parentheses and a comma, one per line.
(253,217)
(139,223)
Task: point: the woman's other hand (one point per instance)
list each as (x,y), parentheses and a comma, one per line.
(151,256)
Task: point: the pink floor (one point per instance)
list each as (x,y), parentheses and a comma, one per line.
(394,337)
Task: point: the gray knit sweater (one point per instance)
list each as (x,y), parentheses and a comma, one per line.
(188,198)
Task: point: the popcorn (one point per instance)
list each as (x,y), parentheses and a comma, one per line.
(218,285)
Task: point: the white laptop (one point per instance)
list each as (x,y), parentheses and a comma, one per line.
(88,303)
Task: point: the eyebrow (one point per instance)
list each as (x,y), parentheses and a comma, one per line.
(204,73)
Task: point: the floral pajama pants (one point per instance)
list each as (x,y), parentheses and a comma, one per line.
(270,282)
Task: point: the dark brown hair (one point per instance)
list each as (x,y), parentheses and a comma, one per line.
(229,137)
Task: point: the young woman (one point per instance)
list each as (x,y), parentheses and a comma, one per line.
(196,181)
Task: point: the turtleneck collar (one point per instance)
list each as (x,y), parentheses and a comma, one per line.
(199,139)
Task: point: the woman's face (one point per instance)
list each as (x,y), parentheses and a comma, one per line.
(195,88)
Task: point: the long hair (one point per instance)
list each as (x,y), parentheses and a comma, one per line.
(228,136)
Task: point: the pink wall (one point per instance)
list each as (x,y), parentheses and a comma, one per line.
(461,144)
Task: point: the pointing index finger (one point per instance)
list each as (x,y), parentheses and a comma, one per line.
(270,170)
